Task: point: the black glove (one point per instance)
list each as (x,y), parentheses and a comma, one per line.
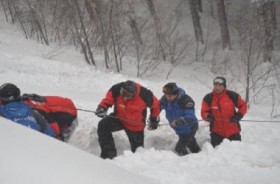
(210,117)
(236,118)
(101,112)
(153,123)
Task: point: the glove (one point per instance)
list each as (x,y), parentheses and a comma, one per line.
(210,117)
(236,118)
(153,123)
(101,112)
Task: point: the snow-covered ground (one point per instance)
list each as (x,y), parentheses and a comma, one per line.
(35,68)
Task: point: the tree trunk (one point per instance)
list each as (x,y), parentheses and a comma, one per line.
(268,8)
(196,21)
(98,8)
(159,34)
(267,12)
(133,24)
(223,24)
(199,5)
(111,30)
(83,29)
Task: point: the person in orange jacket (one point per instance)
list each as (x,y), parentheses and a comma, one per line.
(130,101)
(223,109)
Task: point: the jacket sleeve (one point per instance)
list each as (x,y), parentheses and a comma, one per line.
(151,101)
(187,104)
(242,106)
(111,96)
(155,109)
(205,107)
(163,103)
(108,101)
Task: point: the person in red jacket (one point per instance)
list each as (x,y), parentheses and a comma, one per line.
(130,101)
(223,109)
(60,112)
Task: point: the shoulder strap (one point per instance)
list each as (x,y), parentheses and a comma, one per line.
(208,99)
(233,96)
(147,96)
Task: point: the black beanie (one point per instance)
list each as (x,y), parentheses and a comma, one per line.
(130,86)
(220,80)
(170,89)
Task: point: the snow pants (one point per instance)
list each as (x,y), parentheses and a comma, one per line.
(187,141)
(111,124)
(217,139)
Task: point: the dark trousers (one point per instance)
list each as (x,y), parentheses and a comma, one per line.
(111,124)
(187,141)
(216,139)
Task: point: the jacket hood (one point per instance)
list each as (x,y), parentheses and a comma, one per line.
(182,92)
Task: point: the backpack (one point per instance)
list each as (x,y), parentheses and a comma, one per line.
(22,114)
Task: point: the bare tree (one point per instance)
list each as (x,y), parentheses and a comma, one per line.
(223,24)
(160,37)
(84,32)
(5,10)
(267,15)
(133,23)
(96,14)
(199,6)
(196,20)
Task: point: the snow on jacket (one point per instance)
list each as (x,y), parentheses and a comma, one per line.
(21,113)
(132,112)
(223,107)
(182,109)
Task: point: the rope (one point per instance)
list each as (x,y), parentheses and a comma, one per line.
(245,120)
(128,120)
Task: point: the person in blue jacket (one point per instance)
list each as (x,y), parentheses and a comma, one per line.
(13,108)
(180,114)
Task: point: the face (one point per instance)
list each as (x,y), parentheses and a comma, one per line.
(170,97)
(126,95)
(218,88)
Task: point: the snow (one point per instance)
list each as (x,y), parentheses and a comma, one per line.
(29,157)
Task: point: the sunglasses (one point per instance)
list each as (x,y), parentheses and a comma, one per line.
(218,84)
(218,81)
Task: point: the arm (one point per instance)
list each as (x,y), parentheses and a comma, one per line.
(163,103)
(155,109)
(242,106)
(206,107)
(109,99)
(187,106)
